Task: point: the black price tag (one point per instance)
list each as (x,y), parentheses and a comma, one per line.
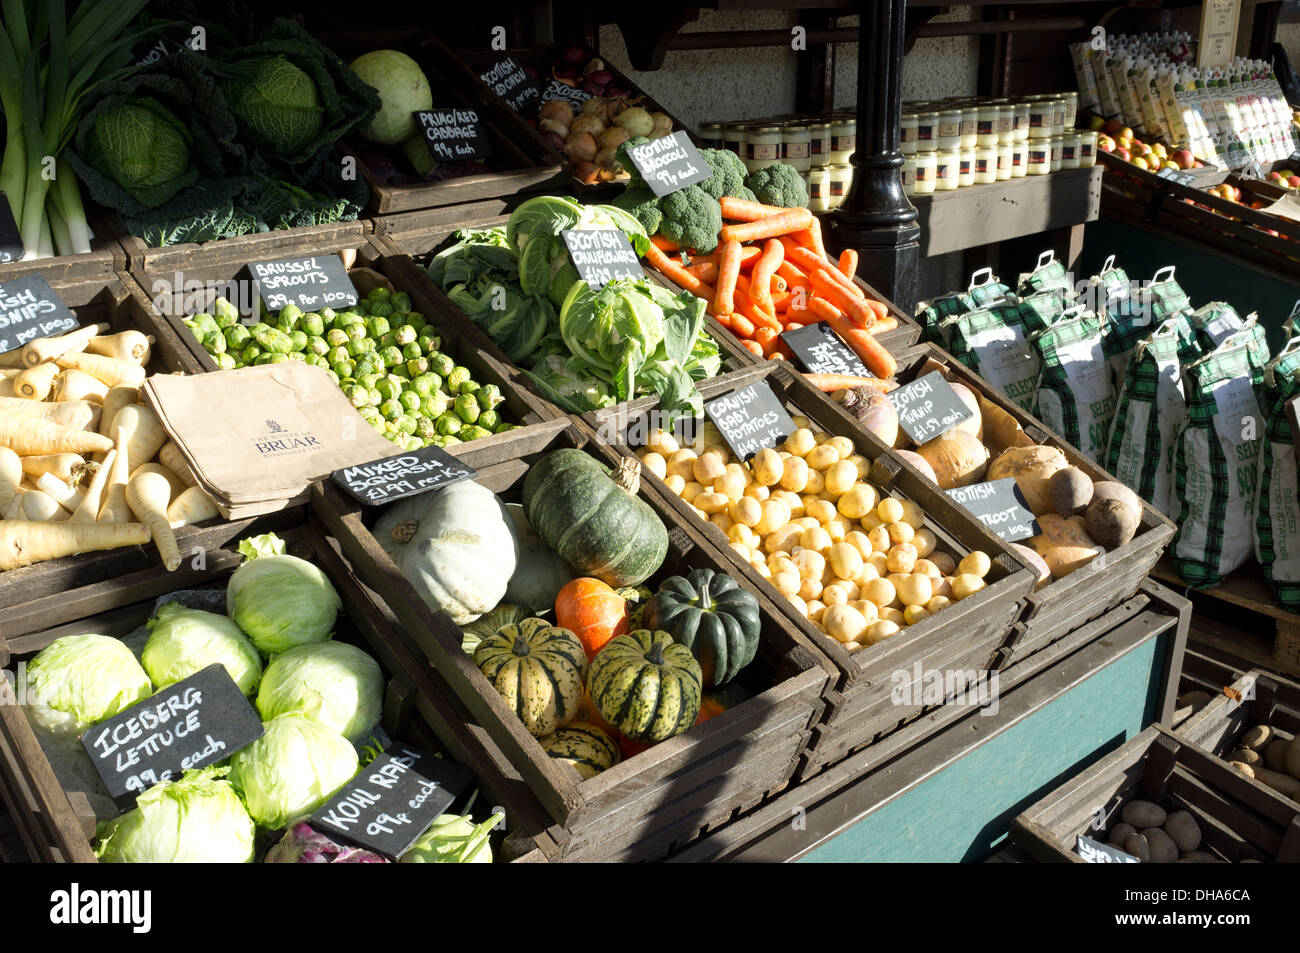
(1095,852)
(928,407)
(320,281)
(670,163)
(453,135)
(196,722)
(821,351)
(402,475)
(31,309)
(1176,175)
(602,255)
(393,800)
(563,91)
(1000,506)
(11,243)
(512,83)
(750,419)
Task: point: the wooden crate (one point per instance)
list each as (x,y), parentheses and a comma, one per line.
(1087,592)
(666,795)
(57,825)
(1127,192)
(1201,674)
(1256,698)
(105,258)
(964,638)
(1235,228)
(461,340)
(117,301)
(1240,818)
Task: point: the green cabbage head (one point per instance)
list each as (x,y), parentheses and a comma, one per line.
(402,89)
(332,683)
(79,680)
(196,819)
(183,641)
(280,601)
(453,839)
(294,768)
(144,148)
(278,103)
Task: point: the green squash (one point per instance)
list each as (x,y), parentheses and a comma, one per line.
(584,747)
(593,518)
(538,669)
(646,685)
(711,615)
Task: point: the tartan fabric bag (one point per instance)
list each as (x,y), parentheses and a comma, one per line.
(1253,335)
(1076,396)
(1127,317)
(1277,519)
(1217,467)
(1038,311)
(985,288)
(1149,412)
(992,342)
(1048,275)
(1167,295)
(1214,323)
(933,315)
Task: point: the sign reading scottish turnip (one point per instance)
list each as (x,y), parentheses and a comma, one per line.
(821,351)
(402,475)
(602,255)
(570,94)
(669,163)
(11,243)
(31,309)
(1000,506)
(928,407)
(750,419)
(393,800)
(320,281)
(453,135)
(512,83)
(191,724)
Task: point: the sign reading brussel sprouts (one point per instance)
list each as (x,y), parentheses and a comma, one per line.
(453,135)
(30,309)
(669,163)
(320,281)
(402,475)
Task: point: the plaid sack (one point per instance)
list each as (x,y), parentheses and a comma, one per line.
(933,315)
(1216,463)
(992,343)
(1253,335)
(986,288)
(1277,519)
(1167,295)
(1127,316)
(1076,397)
(1149,413)
(1038,311)
(1048,275)
(1214,323)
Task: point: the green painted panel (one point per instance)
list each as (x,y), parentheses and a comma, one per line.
(963,812)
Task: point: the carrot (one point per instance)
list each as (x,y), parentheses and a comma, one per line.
(885,324)
(809,262)
(790,220)
(833,382)
(753,347)
(23,542)
(766,339)
(29,436)
(811,237)
(110,370)
(706,271)
(781,301)
(728,272)
(664,244)
(760,316)
(742,210)
(849,262)
(878,361)
(748,255)
(791,272)
(147,494)
(741,326)
(673,271)
(191,506)
(830,289)
(761,279)
(779,284)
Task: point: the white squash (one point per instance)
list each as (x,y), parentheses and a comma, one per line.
(540,573)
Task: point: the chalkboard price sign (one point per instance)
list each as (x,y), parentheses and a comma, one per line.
(750,419)
(196,722)
(11,243)
(31,309)
(821,351)
(393,800)
(928,407)
(453,135)
(1095,852)
(602,255)
(1000,506)
(512,83)
(1176,175)
(402,475)
(669,163)
(570,94)
(320,281)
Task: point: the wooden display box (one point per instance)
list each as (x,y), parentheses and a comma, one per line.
(55,824)
(1240,818)
(1233,227)
(1127,192)
(879,688)
(1256,698)
(105,258)
(664,796)
(1087,592)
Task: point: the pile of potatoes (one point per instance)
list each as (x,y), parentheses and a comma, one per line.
(1156,836)
(858,564)
(1265,754)
(1079,518)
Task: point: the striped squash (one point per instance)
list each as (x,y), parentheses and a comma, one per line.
(538,669)
(646,685)
(588,749)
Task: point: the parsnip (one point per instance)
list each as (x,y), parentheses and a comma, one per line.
(130,346)
(40,506)
(192,506)
(115,509)
(11,475)
(144,434)
(73,384)
(88,510)
(118,397)
(23,542)
(148,494)
(47,349)
(73,413)
(110,370)
(35,383)
(28,436)
(171,457)
(60,492)
(173,481)
(68,467)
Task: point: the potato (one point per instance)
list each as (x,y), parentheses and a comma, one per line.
(794,473)
(1064,544)
(767,467)
(1041,572)
(957,459)
(1137,845)
(843,623)
(1142,814)
(1114,515)
(1120,833)
(1193,699)
(879,631)
(918,461)
(1162,846)
(1255,737)
(1293,758)
(976,563)
(1245,769)
(708,467)
(1032,468)
(890,510)
(1070,491)
(1283,784)
(947,565)
(1246,756)
(1182,827)
(1275,754)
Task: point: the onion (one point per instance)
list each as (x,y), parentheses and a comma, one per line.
(613,137)
(587,124)
(586,172)
(554,140)
(581,147)
(596,64)
(636,121)
(557,110)
(663,125)
(595,107)
(602,76)
(551,125)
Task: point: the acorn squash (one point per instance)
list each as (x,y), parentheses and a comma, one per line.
(710,614)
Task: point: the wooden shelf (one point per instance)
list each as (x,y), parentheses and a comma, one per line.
(988,214)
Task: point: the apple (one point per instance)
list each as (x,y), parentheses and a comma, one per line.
(1293,182)
(1112,126)
(1171,166)
(1183,158)
(1123,153)
(1159,149)
(1139,161)
(1273,177)
(1096,123)
(1198,164)
(1125,133)
(1236,192)
(1105,144)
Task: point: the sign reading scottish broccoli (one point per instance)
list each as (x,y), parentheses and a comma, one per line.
(669,163)
(453,135)
(320,281)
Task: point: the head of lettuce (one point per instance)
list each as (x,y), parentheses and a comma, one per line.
(280,601)
(79,680)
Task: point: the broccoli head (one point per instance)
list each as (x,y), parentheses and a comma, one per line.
(643,205)
(623,159)
(779,184)
(692,218)
(728,175)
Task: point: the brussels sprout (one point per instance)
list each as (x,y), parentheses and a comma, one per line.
(416,320)
(298,356)
(299,339)
(205,322)
(377,325)
(435,404)
(375,397)
(357,330)
(400,301)
(225,318)
(431,343)
(356,347)
(344,368)
(368,365)
(388,339)
(273,340)
(387,388)
(337,337)
(378,293)
(289,317)
(225,361)
(425,428)
(317,345)
(449,424)
(399,371)
(410,400)
(466,408)
(312,323)
(337,354)
(412,351)
(489,396)
(328,314)
(504,427)
(405,423)
(315,360)
(277,358)
(225,311)
(473,432)
(215,342)
(237,337)
(455,377)
(405,335)
(333,376)
(391,356)
(424,384)
(250,353)
(489,420)
(469,387)
(392,409)
(381,310)
(359,396)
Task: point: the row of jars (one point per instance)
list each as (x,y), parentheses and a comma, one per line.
(942,170)
(951,124)
(805,143)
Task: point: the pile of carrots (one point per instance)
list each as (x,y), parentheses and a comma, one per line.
(781,282)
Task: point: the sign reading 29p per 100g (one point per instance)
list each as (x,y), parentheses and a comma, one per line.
(320,281)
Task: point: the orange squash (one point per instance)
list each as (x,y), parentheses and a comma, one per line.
(717,700)
(593,611)
(630,747)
